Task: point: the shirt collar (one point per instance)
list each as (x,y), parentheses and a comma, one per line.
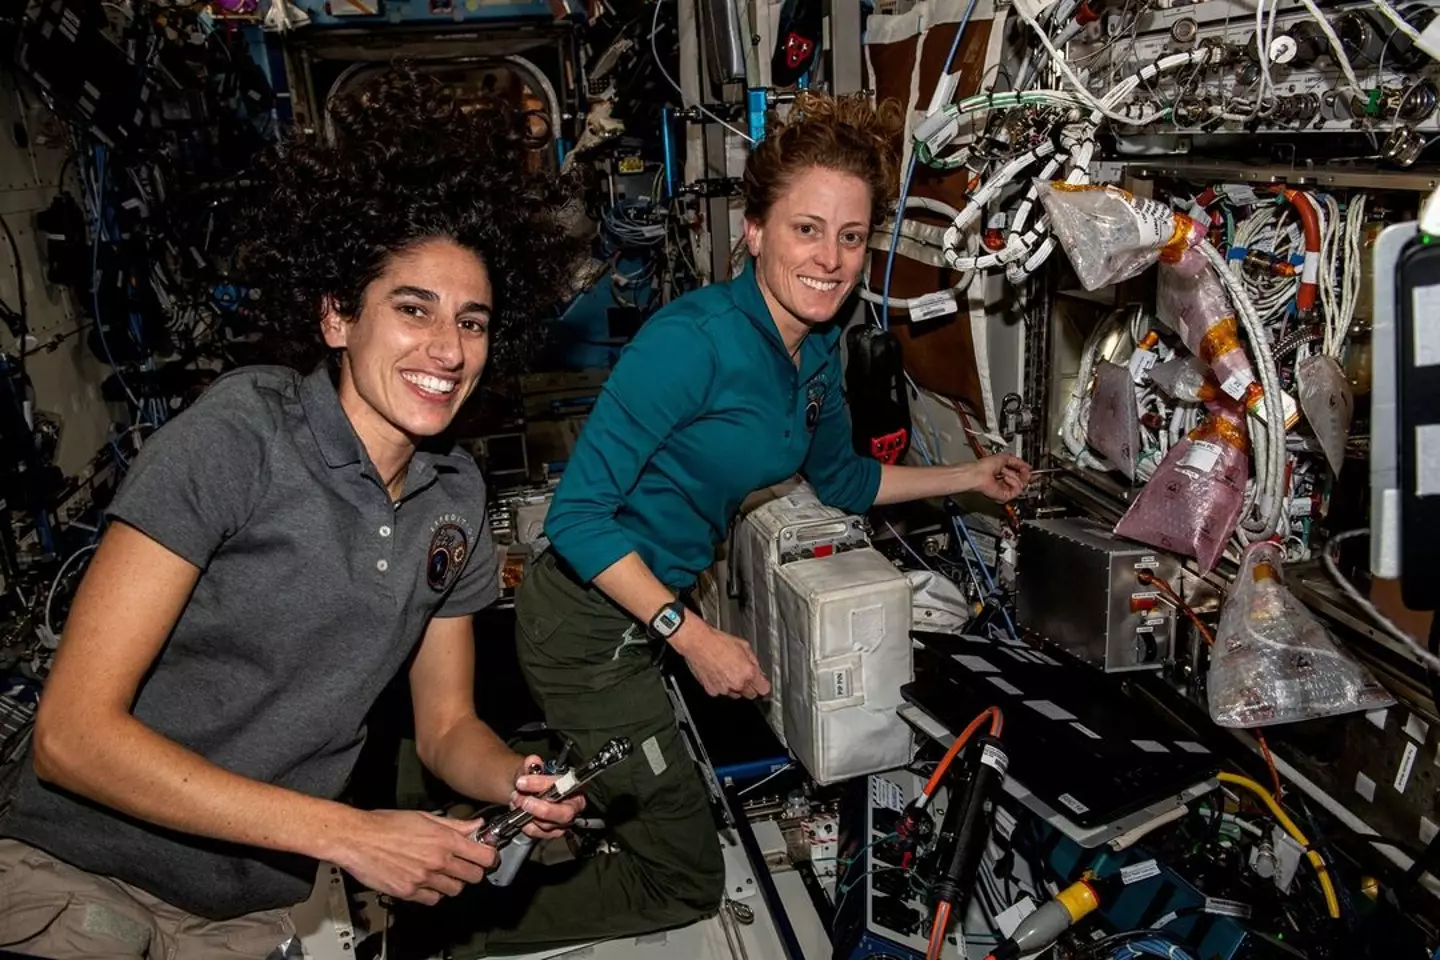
(822,341)
(332,429)
(339,443)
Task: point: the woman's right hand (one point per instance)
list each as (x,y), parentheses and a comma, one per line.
(411,855)
(724,664)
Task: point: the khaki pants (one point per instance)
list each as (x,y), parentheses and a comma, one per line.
(51,909)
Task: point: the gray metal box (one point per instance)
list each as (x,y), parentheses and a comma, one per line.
(1076,586)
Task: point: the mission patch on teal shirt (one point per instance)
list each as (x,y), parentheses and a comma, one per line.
(704,407)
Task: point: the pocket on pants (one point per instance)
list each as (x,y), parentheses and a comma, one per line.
(28,904)
(259,935)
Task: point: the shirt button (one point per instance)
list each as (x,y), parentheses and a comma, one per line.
(381,565)
(385,531)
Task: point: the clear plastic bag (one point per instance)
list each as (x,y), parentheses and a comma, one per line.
(1192,503)
(1273,662)
(1190,300)
(1185,379)
(1328,404)
(1113,428)
(1110,234)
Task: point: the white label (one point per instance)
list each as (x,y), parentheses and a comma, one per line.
(654,755)
(1417,728)
(1006,685)
(1226,908)
(1014,653)
(1426,301)
(1300,507)
(1154,221)
(836,683)
(1046,659)
(1190,746)
(886,794)
(1310,269)
(996,221)
(1145,629)
(1085,730)
(1140,363)
(977,664)
(932,305)
(1427,460)
(1377,717)
(1136,872)
(1365,787)
(1241,194)
(1151,746)
(1237,383)
(1427,830)
(1164,921)
(91,89)
(1147,564)
(1073,804)
(1201,457)
(568,782)
(995,759)
(1407,764)
(1004,822)
(1050,709)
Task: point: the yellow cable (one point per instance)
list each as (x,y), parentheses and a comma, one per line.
(1317,861)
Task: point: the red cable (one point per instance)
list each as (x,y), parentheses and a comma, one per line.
(1310,272)
(937,931)
(997,721)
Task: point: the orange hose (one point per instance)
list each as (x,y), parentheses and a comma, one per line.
(1310,272)
(937,931)
(1270,763)
(997,721)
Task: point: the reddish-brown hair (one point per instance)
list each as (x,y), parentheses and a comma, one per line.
(847,134)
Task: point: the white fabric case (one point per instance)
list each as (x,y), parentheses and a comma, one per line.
(757,557)
(845,631)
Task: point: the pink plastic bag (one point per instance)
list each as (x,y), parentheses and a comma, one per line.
(1192,503)
(1191,301)
(1114,425)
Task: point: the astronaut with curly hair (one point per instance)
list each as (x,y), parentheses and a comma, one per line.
(285,546)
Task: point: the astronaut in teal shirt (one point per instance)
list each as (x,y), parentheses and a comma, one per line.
(705,406)
(726,390)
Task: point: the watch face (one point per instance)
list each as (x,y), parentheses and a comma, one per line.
(668,621)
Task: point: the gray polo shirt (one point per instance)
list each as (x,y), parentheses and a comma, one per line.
(314,590)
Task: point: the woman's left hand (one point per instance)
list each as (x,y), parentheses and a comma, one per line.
(1001,476)
(551,819)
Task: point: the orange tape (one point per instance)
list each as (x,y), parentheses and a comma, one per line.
(1179,241)
(1264,571)
(1064,187)
(1219,340)
(1220,429)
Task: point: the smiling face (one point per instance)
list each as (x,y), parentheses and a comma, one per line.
(416,350)
(810,248)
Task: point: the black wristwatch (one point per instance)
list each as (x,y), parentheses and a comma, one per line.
(663,625)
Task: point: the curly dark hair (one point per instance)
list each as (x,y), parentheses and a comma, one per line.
(846,133)
(405,160)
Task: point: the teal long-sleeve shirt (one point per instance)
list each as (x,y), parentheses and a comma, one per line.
(703,407)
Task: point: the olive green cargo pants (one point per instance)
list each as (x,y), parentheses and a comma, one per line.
(594,674)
